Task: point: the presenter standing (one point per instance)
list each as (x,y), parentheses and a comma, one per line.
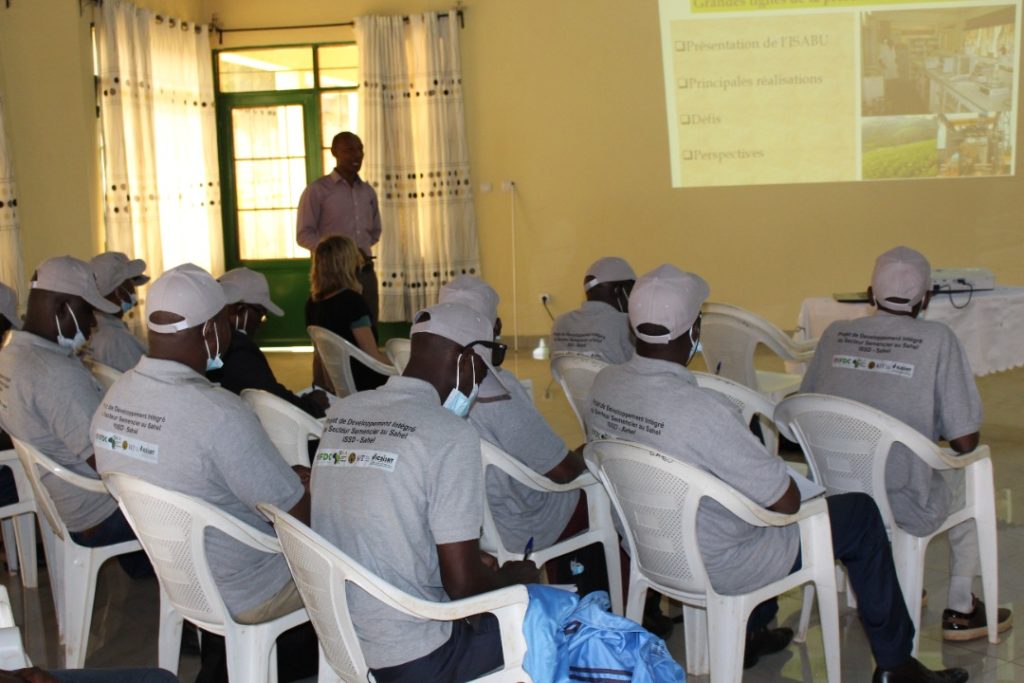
(341,203)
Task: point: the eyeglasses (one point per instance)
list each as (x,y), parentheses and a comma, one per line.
(497,350)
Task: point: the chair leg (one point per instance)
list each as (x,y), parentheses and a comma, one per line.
(828,615)
(695,636)
(10,544)
(54,548)
(908,555)
(79,593)
(251,657)
(169,648)
(325,673)
(727,636)
(637,595)
(613,565)
(988,550)
(25,536)
(805,614)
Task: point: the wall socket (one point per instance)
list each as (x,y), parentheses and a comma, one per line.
(545,298)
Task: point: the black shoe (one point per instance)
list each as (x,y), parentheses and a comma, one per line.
(765,642)
(961,626)
(658,624)
(914,671)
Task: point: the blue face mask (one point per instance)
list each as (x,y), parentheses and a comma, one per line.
(75,343)
(457,402)
(128,305)
(214,362)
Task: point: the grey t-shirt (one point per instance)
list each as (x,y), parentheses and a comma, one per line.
(113,344)
(395,476)
(658,404)
(594,329)
(514,425)
(916,371)
(47,399)
(166,424)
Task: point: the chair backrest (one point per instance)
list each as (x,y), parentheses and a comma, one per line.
(729,337)
(397,350)
(288,426)
(750,404)
(847,443)
(171,527)
(576,373)
(32,461)
(657,498)
(336,354)
(104,374)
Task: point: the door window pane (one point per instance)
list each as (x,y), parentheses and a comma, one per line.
(339,111)
(270,174)
(280,68)
(339,66)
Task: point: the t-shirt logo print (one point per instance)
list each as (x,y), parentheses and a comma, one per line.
(351,458)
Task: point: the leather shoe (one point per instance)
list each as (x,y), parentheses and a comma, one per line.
(765,642)
(913,671)
(961,626)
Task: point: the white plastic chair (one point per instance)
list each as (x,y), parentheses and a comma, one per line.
(601,528)
(750,403)
(657,498)
(335,353)
(12,650)
(322,573)
(730,335)
(73,567)
(104,374)
(18,524)
(288,426)
(172,527)
(575,373)
(397,350)
(847,445)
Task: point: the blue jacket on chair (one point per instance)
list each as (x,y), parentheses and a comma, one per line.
(572,640)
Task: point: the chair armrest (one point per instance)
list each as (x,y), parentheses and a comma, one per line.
(82,482)
(495,457)
(466,607)
(759,516)
(948,459)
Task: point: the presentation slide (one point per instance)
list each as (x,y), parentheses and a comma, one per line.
(763,92)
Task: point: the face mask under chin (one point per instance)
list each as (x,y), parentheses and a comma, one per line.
(214,362)
(457,402)
(74,343)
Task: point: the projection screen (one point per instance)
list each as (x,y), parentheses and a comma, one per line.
(803,91)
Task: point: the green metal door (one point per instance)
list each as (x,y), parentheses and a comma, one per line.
(270,150)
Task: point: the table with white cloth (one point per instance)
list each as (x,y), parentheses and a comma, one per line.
(990,327)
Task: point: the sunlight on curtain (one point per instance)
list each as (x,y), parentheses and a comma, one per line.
(11,270)
(417,157)
(161,199)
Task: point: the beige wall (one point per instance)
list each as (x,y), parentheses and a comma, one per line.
(46,75)
(565,98)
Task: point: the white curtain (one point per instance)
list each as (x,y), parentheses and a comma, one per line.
(417,159)
(11,270)
(162,190)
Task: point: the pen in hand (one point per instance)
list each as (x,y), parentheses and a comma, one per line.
(528,549)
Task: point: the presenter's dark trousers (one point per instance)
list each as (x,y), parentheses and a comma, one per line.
(368,279)
(859,541)
(474,649)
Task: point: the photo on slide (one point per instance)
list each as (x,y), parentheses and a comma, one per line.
(937,61)
(967,144)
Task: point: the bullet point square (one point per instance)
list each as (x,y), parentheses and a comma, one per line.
(683,84)
(684,119)
(687,155)
(680,46)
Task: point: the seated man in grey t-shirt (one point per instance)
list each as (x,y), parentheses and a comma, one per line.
(925,381)
(655,401)
(599,328)
(398,486)
(113,343)
(164,422)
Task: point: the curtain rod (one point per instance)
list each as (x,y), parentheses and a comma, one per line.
(221,31)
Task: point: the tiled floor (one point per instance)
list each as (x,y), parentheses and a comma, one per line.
(124,630)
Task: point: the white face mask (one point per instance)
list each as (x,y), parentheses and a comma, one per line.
(214,362)
(76,342)
(457,402)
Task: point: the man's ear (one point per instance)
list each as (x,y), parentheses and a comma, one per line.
(926,300)
(871,297)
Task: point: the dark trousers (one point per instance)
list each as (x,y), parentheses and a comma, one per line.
(859,541)
(473,650)
(368,279)
(115,529)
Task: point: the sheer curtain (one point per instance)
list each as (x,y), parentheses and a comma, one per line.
(11,270)
(162,190)
(414,131)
